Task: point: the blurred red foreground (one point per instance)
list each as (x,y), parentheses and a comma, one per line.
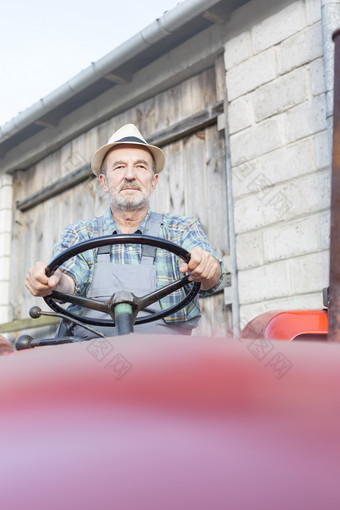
(171,423)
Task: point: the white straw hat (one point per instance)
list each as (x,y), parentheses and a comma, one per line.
(127,134)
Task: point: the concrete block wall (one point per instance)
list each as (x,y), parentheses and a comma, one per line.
(279,156)
(5,244)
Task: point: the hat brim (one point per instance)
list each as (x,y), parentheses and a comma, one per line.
(99,155)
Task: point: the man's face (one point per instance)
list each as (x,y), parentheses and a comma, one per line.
(129,177)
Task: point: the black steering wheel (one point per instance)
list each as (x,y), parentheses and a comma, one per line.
(137,303)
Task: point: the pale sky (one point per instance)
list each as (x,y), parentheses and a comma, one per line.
(43,44)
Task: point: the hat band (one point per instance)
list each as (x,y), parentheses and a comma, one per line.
(131,139)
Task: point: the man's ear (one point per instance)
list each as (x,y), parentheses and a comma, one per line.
(154,181)
(103,182)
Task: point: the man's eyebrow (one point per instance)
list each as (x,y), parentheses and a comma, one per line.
(142,161)
(138,161)
(119,162)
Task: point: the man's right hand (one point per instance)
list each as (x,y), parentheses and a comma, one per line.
(40,285)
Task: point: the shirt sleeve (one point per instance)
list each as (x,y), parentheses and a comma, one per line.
(79,266)
(194,236)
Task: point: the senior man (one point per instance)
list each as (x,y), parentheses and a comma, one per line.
(128,169)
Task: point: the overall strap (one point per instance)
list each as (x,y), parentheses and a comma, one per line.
(151,229)
(103,251)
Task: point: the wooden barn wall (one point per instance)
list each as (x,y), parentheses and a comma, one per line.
(193,183)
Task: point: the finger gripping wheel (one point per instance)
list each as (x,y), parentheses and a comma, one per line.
(140,302)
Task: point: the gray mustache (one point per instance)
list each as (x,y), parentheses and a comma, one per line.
(130,185)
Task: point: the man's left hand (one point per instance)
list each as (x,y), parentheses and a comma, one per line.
(202,267)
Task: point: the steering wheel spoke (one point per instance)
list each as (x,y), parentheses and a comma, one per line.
(75,299)
(156,295)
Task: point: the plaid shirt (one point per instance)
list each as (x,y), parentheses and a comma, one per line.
(178,229)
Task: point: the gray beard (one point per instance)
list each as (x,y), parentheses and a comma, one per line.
(128,203)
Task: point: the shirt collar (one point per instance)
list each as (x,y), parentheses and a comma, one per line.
(110,226)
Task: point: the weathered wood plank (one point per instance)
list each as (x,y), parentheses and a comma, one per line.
(195,178)
(55,188)
(216,191)
(176,177)
(220,73)
(216,317)
(186,127)
(160,199)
